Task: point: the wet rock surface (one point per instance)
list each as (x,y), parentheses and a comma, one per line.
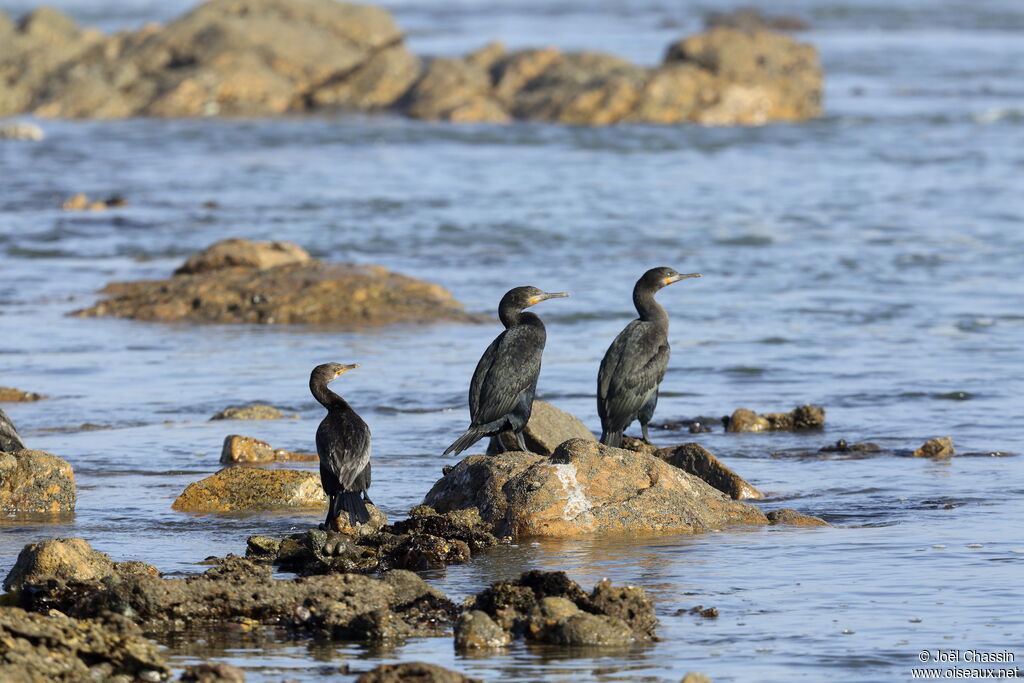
(792,517)
(800,418)
(585,488)
(260,57)
(68,559)
(212,672)
(549,607)
(12,395)
(251,488)
(10,440)
(37,648)
(251,289)
(841,446)
(34,481)
(414,672)
(258,411)
(547,428)
(334,607)
(700,462)
(245,450)
(940,447)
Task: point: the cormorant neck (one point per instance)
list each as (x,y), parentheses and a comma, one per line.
(649,309)
(510,315)
(327,398)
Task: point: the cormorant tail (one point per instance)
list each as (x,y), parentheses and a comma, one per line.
(465,441)
(352,503)
(613,439)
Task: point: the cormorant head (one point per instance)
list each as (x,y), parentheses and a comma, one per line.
(328,372)
(524,297)
(656,278)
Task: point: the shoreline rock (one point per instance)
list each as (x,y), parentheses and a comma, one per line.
(791,517)
(239,281)
(35,481)
(547,428)
(700,462)
(270,57)
(940,447)
(801,418)
(249,488)
(68,559)
(245,450)
(10,394)
(257,411)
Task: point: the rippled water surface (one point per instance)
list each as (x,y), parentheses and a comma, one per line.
(869,262)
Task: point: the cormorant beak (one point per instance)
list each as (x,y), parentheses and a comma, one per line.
(346,368)
(547,295)
(677,277)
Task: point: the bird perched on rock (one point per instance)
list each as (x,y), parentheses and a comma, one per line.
(505,381)
(635,363)
(9,439)
(343,444)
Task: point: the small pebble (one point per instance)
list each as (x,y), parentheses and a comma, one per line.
(915,620)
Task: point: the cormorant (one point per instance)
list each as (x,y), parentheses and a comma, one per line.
(9,439)
(635,363)
(343,444)
(505,379)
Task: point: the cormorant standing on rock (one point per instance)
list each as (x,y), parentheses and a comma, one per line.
(505,381)
(635,363)
(343,444)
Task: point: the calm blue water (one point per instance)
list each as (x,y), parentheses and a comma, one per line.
(868,262)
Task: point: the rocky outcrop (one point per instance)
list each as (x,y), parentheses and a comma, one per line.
(249,290)
(331,607)
(263,57)
(258,411)
(940,447)
(34,481)
(547,427)
(414,672)
(44,649)
(10,440)
(700,462)
(791,517)
(549,607)
(250,488)
(585,488)
(800,418)
(10,394)
(239,253)
(238,450)
(68,559)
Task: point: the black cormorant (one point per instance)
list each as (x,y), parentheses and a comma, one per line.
(505,380)
(635,363)
(9,439)
(343,444)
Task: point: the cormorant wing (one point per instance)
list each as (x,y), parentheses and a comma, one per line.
(632,368)
(509,366)
(480,375)
(344,448)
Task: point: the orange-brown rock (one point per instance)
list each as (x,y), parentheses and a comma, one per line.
(258,411)
(34,481)
(792,517)
(586,488)
(414,672)
(250,488)
(546,429)
(455,90)
(940,447)
(700,462)
(68,559)
(240,253)
(245,450)
(800,418)
(306,292)
(18,396)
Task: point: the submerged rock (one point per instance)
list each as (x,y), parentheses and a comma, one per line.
(250,488)
(34,481)
(10,441)
(10,394)
(700,462)
(549,607)
(794,518)
(68,559)
(81,202)
(800,418)
(246,450)
(414,672)
(308,292)
(239,253)
(330,607)
(21,131)
(941,447)
(212,672)
(841,446)
(585,488)
(258,411)
(475,630)
(59,648)
(547,428)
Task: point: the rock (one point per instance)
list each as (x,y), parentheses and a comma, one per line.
(11,394)
(21,131)
(549,607)
(239,449)
(475,630)
(462,525)
(631,443)
(212,672)
(941,447)
(379,82)
(695,677)
(841,446)
(248,488)
(547,428)
(377,521)
(258,411)
(487,56)
(239,253)
(751,19)
(80,202)
(700,462)
(455,90)
(67,559)
(585,488)
(414,672)
(59,648)
(800,418)
(10,441)
(34,481)
(309,292)
(794,518)
(330,607)
(423,551)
